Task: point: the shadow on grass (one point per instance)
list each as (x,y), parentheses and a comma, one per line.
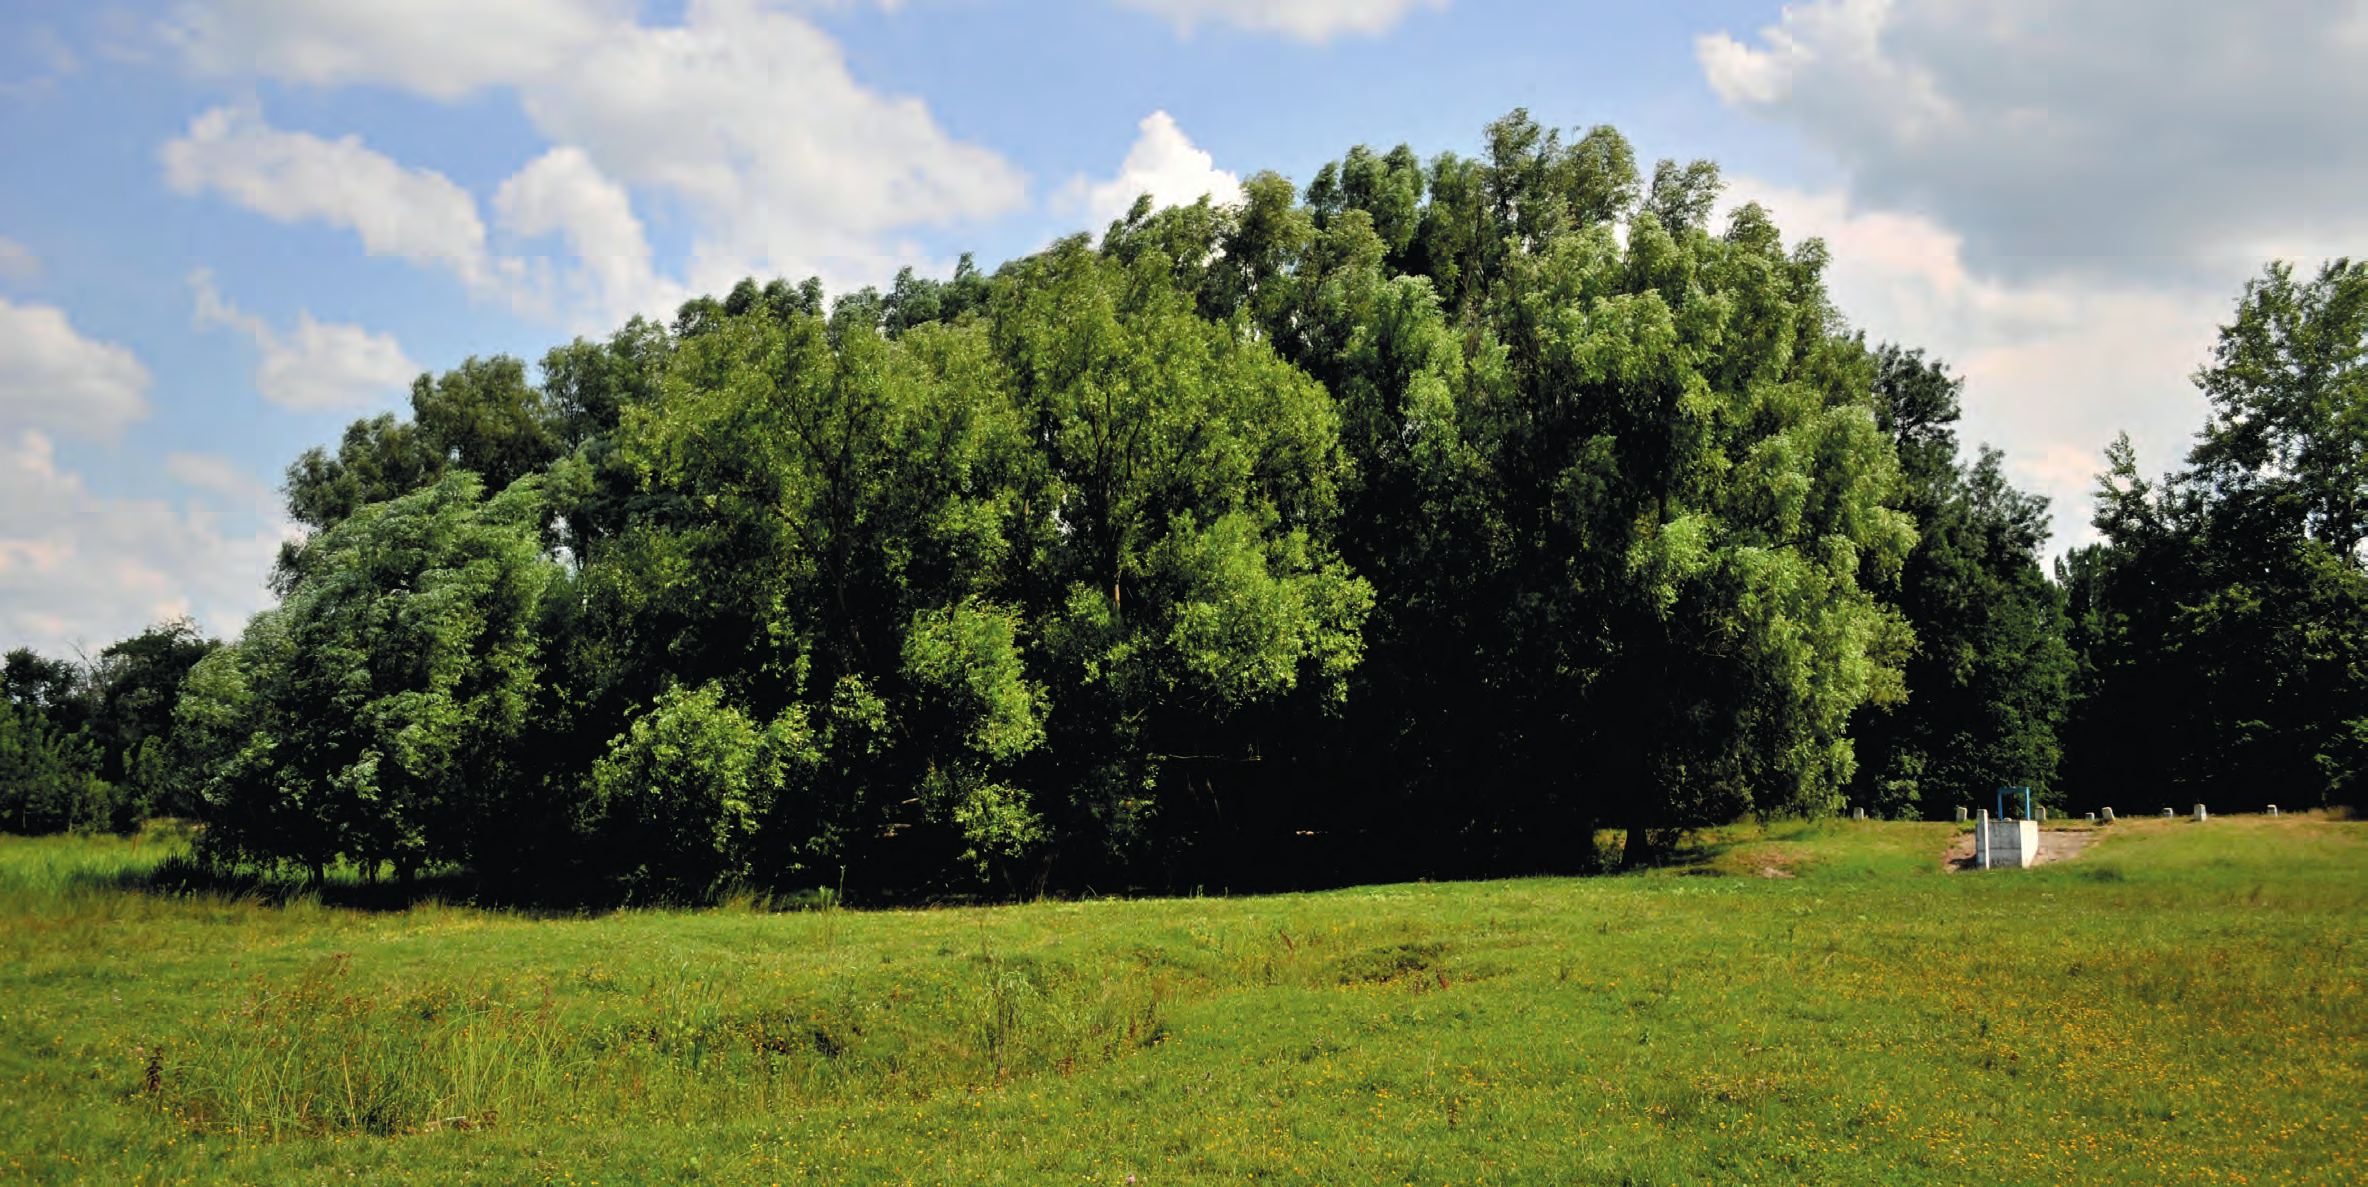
(182,876)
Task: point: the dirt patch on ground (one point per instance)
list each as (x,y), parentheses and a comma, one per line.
(2055,845)
(1767,863)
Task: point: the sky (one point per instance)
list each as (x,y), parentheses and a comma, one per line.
(230,227)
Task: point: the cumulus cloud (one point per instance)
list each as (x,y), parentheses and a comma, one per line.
(440,48)
(76,568)
(1163,163)
(315,367)
(2053,368)
(1304,20)
(751,117)
(743,113)
(563,193)
(51,377)
(417,214)
(18,264)
(230,485)
(2153,138)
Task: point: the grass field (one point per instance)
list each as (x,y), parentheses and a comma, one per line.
(2183,1004)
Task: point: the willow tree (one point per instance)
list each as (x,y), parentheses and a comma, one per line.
(375,715)
(829,534)
(1645,491)
(1189,491)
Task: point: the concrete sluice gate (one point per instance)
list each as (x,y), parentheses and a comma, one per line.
(2005,844)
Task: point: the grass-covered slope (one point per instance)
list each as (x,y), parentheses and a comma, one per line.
(2182,1004)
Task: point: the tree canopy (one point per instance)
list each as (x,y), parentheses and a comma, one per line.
(1432,519)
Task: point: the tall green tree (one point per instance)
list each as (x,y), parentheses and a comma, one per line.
(136,683)
(830,525)
(373,715)
(2224,617)
(1623,503)
(482,416)
(49,780)
(52,759)
(1989,679)
(1187,574)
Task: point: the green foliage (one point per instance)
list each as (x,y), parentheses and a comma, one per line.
(61,764)
(49,779)
(1624,505)
(136,683)
(374,714)
(1190,488)
(54,688)
(826,522)
(1989,678)
(483,417)
(681,795)
(1425,520)
(2224,618)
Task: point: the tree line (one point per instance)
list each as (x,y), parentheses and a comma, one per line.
(1426,520)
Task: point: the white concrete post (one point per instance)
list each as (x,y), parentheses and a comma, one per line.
(1981,841)
(2273,809)
(2039,814)
(1961,814)
(1857,813)
(2092,816)
(2108,815)
(2167,813)
(2199,814)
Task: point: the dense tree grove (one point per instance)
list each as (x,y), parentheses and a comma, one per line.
(2224,617)
(1429,520)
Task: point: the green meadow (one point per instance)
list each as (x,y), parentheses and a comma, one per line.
(1793,1003)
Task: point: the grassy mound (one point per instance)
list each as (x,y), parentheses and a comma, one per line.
(1815,1003)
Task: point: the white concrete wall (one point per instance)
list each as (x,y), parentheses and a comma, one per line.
(2014,844)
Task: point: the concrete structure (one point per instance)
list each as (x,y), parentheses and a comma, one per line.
(2004,844)
(2039,814)
(1857,813)
(2108,815)
(2273,810)
(2199,814)
(2167,813)
(1960,815)
(2092,816)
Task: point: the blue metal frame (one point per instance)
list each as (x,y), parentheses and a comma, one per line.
(2002,794)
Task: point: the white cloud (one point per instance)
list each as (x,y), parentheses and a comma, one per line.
(2054,367)
(417,214)
(52,377)
(563,193)
(224,479)
(2116,137)
(1163,163)
(750,117)
(78,568)
(316,367)
(745,114)
(441,48)
(18,264)
(1305,20)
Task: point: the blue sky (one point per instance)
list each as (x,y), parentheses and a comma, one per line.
(227,227)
